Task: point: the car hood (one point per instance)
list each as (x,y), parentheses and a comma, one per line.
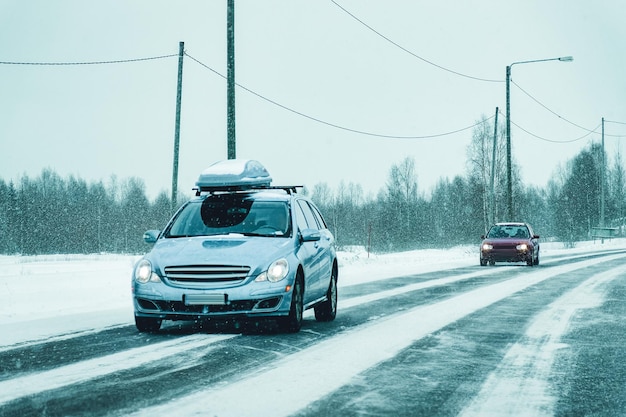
(256,252)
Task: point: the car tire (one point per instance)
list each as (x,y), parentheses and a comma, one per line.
(327,310)
(293,322)
(483,262)
(492,263)
(530,261)
(147,324)
(537,259)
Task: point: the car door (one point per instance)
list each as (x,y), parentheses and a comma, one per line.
(533,240)
(327,245)
(310,253)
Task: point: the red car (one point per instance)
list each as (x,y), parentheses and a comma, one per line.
(510,242)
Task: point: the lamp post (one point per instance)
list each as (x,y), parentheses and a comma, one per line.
(508,127)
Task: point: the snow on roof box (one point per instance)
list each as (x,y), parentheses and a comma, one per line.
(234,174)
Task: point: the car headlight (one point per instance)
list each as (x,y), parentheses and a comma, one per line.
(277,271)
(522,247)
(487,246)
(144,273)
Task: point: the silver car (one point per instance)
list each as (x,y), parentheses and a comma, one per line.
(241,249)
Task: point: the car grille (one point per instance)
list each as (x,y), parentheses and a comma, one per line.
(505,246)
(205,276)
(178,307)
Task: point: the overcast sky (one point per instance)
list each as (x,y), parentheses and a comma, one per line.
(316,73)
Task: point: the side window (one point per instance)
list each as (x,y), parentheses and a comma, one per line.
(311,223)
(319,217)
(300,218)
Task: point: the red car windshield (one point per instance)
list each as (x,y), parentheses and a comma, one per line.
(508,231)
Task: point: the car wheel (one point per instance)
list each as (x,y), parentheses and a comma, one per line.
(530,261)
(293,321)
(147,324)
(327,310)
(537,259)
(492,263)
(483,262)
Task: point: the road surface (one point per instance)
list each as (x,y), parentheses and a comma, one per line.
(507,340)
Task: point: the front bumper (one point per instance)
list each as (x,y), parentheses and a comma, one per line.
(167,303)
(506,256)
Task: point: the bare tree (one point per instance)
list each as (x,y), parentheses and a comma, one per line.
(481,166)
(617,191)
(322,195)
(402,182)
(402,201)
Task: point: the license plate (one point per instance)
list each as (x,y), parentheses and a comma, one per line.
(204,299)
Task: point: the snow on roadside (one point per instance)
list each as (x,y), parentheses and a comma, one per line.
(357,266)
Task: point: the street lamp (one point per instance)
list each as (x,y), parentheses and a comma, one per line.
(508,126)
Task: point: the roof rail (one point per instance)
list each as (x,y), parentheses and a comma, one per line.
(289,189)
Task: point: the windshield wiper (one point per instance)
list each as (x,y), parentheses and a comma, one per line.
(254,234)
(259,234)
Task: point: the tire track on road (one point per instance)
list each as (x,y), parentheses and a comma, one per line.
(286,386)
(34,383)
(520,386)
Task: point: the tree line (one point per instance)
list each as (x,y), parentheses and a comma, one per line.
(461,209)
(50,214)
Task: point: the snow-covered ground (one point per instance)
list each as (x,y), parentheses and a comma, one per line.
(56,295)
(51,298)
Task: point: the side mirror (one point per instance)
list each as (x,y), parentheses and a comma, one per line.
(482,237)
(535,236)
(151,236)
(310,235)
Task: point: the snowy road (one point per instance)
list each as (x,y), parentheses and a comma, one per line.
(450,340)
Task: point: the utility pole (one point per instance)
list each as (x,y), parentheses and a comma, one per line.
(509,175)
(179,94)
(492,202)
(230,100)
(602,179)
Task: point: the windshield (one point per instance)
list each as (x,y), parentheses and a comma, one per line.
(231,213)
(502,232)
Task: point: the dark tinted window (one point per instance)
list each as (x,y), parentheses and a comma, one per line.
(225,210)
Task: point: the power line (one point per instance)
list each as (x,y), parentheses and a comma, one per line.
(410,52)
(472,77)
(558,115)
(117,61)
(315,119)
(552,140)
(388,136)
(548,109)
